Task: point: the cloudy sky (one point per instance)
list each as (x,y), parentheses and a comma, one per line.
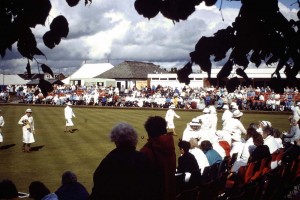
(112,31)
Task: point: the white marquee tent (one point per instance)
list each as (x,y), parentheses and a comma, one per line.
(87,71)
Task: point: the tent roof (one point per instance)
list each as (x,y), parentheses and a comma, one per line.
(12,80)
(91,70)
(132,70)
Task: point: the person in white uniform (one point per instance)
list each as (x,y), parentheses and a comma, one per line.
(234,125)
(192,130)
(205,121)
(69,114)
(1,125)
(227,114)
(170,118)
(28,130)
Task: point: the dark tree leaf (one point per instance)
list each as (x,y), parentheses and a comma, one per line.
(45,87)
(276,83)
(183,73)
(72,3)
(27,44)
(147,8)
(28,70)
(60,26)
(232,84)
(243,74)
(226,70)
(47,69)
(50,39)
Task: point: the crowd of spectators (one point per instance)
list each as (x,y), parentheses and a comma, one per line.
(247,98)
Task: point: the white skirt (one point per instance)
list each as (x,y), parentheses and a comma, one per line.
(69,122)
(170,125)
(28,137)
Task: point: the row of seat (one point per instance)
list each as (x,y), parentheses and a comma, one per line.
(253,181)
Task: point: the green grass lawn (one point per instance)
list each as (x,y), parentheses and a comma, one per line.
(81,151)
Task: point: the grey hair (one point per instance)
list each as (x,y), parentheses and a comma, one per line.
(124,134)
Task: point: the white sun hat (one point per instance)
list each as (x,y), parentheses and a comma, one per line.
(172,106)
(28,110)
(237,113)
(206,110)
(195,122)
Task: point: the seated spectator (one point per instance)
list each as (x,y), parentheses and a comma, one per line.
(38,191)
(71,189)
(277,136)
(247,149)
(260,151)
(293,134)
(187,161)
(269,140)
(199,155)
(262,125)
(187,164)
(8,190)
(217,146)
(212,155)
(124,172)
(237,145)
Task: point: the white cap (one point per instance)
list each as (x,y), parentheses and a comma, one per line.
(69,103)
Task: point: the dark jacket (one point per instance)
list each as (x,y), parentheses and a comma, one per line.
(187,163)
(72,191)
(122,174)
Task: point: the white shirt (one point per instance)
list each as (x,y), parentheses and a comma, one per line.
(189,133)
(237,147)
(233,125)
(205,121)
(226,115)
(200,157)
(2,121)
(246,153)
(271,143)
(170,115)
(69,113)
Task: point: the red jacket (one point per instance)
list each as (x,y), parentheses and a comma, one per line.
(161,152)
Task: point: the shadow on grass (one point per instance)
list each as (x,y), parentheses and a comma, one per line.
(7,146)
(36,148)
(74,130)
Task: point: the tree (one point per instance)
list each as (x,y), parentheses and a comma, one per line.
(260,33)
(18,17)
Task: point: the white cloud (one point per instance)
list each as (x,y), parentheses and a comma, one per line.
(111,29)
